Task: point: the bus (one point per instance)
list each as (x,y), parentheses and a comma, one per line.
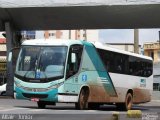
(87,74)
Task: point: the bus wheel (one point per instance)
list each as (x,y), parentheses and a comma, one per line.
(83,100)
(128,103)
(41,104)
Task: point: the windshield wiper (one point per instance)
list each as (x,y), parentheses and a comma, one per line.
(38,65)
(30,68)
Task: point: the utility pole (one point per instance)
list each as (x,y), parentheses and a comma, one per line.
(159,36)
(10,37)
(136,41)
(69,34)
(159,40)
(85,34)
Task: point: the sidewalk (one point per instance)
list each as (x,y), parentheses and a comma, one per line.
(6,97)
(152,103)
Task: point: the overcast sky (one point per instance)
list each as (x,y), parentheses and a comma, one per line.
(127,35)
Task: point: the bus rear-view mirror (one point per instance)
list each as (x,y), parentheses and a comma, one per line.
(73,57)
(10,57)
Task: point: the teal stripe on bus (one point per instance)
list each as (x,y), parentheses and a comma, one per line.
(99,66)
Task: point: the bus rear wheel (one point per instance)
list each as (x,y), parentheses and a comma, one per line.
(128,101)
(83,100)
(127,105)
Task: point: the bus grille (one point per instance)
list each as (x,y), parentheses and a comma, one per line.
(35,89)
(35,95)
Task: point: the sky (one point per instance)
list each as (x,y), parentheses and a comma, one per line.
(127,35)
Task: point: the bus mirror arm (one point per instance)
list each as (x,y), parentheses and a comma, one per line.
(73,57)
(70,73)
(10,56)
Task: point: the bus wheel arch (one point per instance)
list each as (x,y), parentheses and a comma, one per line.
(130,91)
(83,98)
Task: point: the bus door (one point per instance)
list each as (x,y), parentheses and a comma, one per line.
(73,65)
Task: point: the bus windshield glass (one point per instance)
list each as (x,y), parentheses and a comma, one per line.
(41,62)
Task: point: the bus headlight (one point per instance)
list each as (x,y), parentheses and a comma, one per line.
(55,86)
(17,84)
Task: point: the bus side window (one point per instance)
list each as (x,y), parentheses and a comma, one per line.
(73,66)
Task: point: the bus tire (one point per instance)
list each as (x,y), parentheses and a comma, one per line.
(127,105)
(83,100)
(41,104)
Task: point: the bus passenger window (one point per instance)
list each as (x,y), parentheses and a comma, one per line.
(119,68)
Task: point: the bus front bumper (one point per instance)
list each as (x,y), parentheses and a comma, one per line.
(50,95)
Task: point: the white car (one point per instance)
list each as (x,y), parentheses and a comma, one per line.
(3,89)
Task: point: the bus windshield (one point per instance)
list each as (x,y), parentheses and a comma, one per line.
(41,62)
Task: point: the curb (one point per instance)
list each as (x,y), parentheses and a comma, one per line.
(6,97)
(131,114)
(134,114)
(155,100)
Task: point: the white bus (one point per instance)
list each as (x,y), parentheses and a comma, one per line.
(80,72)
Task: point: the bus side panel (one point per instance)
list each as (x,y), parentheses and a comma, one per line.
(89,76)
(143,92)
(141,89)
(141,95)
(93,74)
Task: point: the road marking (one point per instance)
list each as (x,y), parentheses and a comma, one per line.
(65,110)
(4,110)
(11,109)
(90,111)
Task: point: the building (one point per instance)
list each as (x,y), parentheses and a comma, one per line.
(156,73)
(152,49)
(89,35)
(2,59)
(28,35)
(125,46)
(2,46)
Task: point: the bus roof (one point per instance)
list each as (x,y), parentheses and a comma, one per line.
(48,42)
(106,47)
(65,42)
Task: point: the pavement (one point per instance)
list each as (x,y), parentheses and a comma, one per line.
(65,111)
(6,97)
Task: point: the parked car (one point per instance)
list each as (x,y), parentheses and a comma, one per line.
(3,89)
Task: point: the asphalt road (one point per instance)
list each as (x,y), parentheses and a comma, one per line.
(62,111)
